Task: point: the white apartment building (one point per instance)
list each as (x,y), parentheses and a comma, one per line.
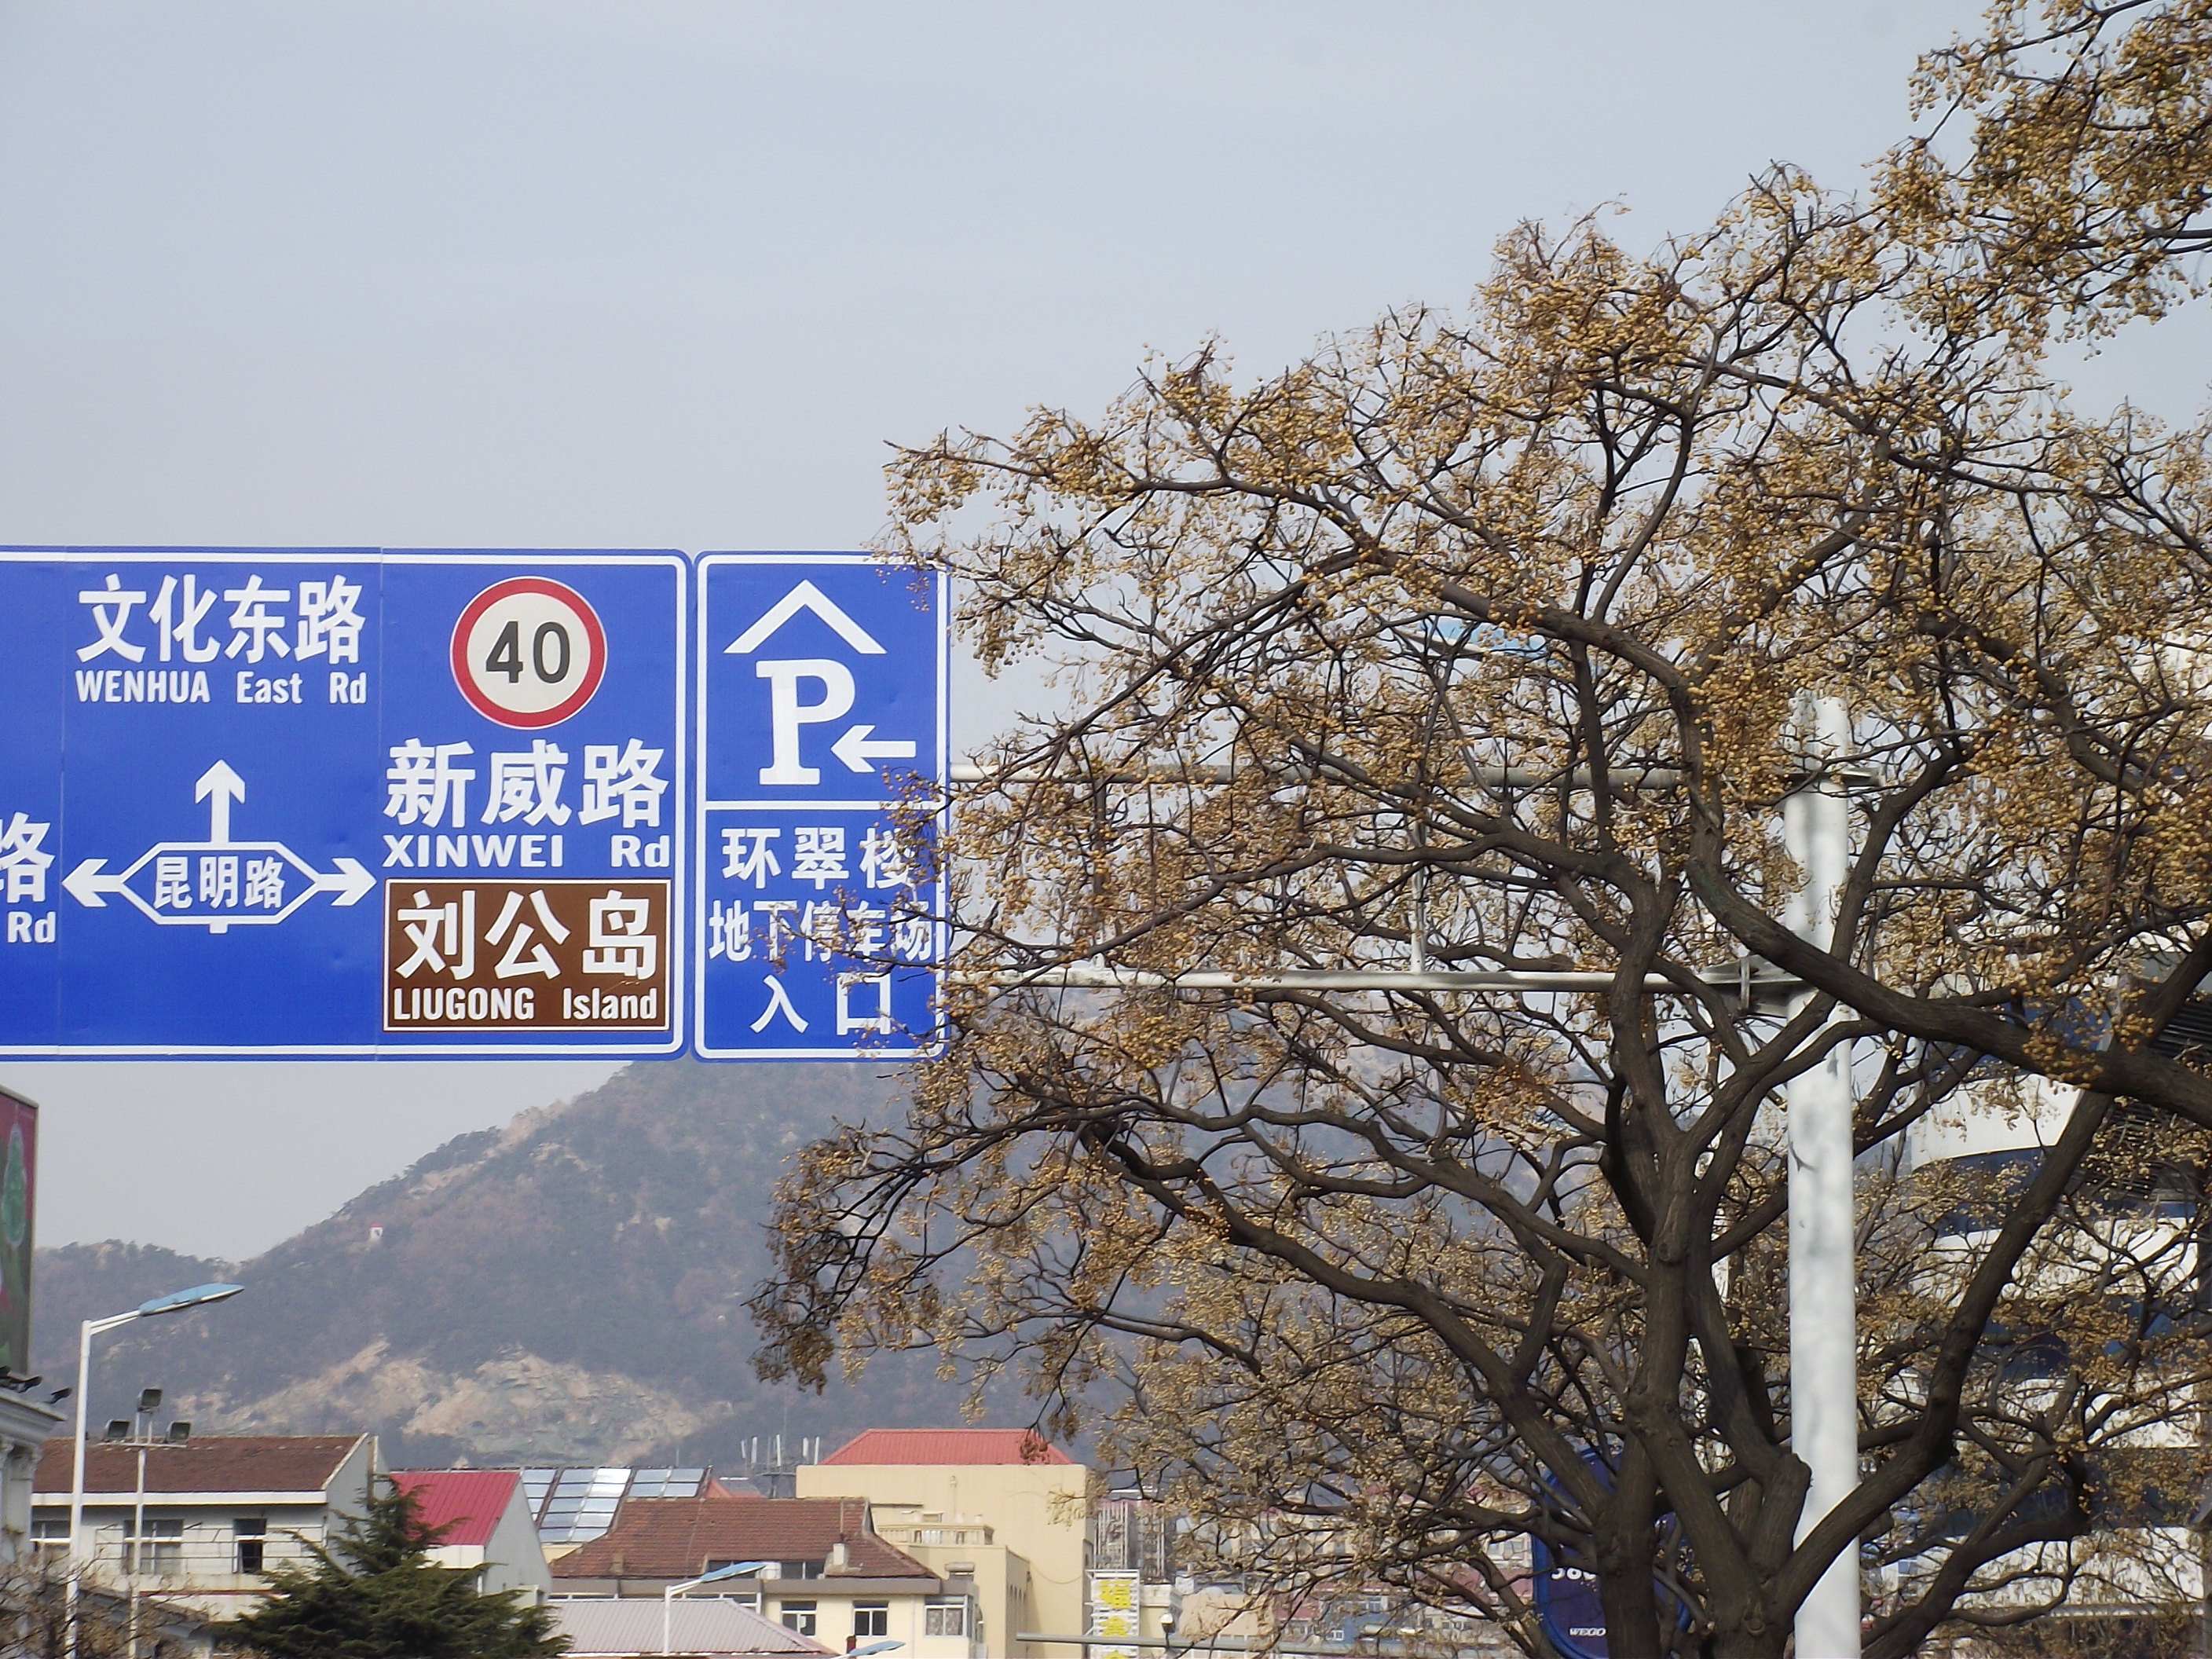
(217,1511)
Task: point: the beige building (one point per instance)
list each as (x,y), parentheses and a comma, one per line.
(818,1569)
(1000,1507)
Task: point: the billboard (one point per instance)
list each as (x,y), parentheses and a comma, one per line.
(19,1193)
(1115,1600)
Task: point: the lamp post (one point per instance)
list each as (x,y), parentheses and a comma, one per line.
(176,1303)
(874,1647)
(735,1569)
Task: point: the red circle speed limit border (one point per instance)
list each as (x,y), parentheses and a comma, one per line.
(528,652)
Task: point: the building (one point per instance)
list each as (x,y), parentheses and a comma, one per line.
(832,1577)
(1131,1585)
(24,1424)
(714,1628)
(1002,1507)
(2140,1576)
(25,1427)
(488,1527)
(218,1510)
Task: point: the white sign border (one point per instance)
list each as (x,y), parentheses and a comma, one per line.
(942,662)
(672,1046)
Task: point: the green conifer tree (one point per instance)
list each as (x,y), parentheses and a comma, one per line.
(374,1593)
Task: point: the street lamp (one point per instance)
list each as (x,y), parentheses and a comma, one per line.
(161,1304)
(874,1647)
(735,1569)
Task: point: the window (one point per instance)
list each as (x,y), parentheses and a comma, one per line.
(798,1616)
(944,1617)
(872,1618)
(50,1532)
(800,1569)
(163,1550)
(253,1534)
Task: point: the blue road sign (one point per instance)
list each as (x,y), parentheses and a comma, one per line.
(822,743)
(341,802)
(1568,1607)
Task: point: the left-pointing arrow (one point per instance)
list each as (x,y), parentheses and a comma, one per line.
(85,883)
(859,754)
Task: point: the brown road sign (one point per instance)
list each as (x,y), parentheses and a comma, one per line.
(510,954)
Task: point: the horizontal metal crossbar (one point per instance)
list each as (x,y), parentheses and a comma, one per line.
(1091,977)
(1197,1644)
(1167,772)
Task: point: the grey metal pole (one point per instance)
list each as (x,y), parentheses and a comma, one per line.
(76,1483)
(199,1296)
(137,1538)
(1824,1413)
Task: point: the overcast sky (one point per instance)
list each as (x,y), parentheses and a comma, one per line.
(657,275)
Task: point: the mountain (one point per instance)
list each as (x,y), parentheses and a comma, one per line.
(567,1289)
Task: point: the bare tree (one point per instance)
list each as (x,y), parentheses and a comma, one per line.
(36,1613)
(1483,642)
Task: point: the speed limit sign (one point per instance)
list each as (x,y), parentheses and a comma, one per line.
(528,652)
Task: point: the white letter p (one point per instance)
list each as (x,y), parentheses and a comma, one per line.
(787,713)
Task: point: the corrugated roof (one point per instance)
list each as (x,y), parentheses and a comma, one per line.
(673,1538)
(209,1463)
(882,1446)
(604,1624)
(471,1501)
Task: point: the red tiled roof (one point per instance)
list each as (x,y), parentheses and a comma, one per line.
(472,1499)
(881,1446)
(210,1463)
(674,1538)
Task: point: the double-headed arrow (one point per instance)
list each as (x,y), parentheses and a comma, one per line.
(349,881)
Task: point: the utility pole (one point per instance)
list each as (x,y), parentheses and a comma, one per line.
(1818,1112)
(1824,1396)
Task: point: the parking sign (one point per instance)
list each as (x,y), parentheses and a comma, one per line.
(823,741)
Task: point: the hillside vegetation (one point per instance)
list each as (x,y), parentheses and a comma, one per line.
(568,1288)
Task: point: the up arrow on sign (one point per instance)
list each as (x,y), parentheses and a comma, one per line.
(219,785)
